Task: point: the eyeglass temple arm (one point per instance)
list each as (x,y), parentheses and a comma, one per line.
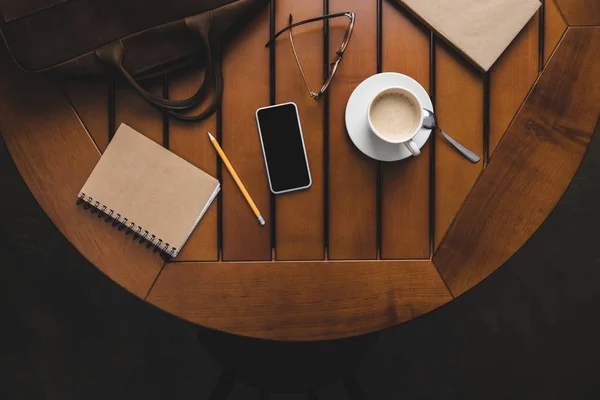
(336,15)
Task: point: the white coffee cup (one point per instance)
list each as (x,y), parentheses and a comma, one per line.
(395,122)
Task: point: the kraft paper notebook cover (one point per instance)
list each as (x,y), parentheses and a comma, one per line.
(480,29)
(148,191)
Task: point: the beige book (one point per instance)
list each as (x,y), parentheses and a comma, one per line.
(149,190)
(480,29)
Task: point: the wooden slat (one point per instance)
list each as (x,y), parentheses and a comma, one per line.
(246,80)
(532,167)
(190,141)
(405,184)
(300,234)
(132,109)
(511,78)
(55,156)
(459,106)
(580,12)
(555,27)
(352,175)
(299,300)
(89,98)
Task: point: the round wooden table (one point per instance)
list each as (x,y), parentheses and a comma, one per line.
(371,244)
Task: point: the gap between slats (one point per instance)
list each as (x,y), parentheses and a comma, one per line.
(379,163)
(272,91)
(326,133)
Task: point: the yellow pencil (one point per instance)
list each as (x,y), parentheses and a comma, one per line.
(236,178)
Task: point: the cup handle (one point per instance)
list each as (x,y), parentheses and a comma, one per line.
(413,148)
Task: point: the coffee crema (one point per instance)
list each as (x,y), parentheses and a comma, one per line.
(395,116)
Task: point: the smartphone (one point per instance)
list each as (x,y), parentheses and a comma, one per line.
(283,148)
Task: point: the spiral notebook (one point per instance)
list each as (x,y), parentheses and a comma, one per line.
(149,192)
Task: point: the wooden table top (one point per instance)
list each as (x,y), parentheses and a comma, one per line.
(371,244)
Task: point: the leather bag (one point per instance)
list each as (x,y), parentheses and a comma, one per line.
(138,38)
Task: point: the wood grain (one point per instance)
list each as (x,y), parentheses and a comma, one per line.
(132,109)
(89,98)
(530,169)
(246,88)
(190,142)
(580,12)
(300,215)
(532,166)
(405,184)
(459,106)
(299,300)
(55,156)
(352,175)
(554,29)
(511,78)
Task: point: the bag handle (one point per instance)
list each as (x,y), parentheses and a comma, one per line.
(114,53)
(216,97)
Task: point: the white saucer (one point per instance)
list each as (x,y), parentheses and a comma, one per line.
(356,116)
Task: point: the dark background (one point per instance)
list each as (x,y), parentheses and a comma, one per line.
(530,331)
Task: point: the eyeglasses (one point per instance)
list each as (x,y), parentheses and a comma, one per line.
(333,67)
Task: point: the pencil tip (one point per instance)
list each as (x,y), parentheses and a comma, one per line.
(211,136)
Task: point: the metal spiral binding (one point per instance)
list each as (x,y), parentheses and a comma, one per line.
(121,223)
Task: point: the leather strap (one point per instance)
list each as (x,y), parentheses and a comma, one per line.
(114,53)
(218,78)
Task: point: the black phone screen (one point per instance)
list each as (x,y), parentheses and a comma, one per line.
(283,147)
